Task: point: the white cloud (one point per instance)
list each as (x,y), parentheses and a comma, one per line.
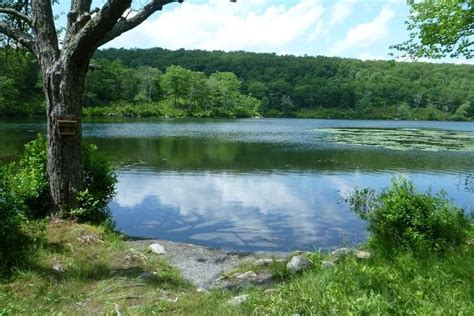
(340,11)
(365,34)
(251,25)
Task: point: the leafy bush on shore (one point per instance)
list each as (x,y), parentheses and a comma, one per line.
(24,194)
(400,218)
(16,241)
(28,183)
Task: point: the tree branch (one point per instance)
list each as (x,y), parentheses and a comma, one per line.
(85,40)
(125,25)
(16,14)
(23,38)
(78,9)
(45,31)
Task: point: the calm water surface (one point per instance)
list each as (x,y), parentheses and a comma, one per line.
(258,184)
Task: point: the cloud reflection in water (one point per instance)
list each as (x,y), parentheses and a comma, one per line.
(239,211)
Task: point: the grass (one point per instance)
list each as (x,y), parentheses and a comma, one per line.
(99,272)
(404,285)
(102,275)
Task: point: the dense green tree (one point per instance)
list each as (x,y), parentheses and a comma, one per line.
(440,28)
(149,84)
(317,86)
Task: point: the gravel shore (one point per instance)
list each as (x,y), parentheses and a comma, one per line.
(201,265)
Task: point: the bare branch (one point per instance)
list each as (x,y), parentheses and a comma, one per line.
(23,38)
(125,25)
(16,14)
(84,42)
(78,9)
(81,6)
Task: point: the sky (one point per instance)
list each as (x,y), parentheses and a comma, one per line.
(362,29)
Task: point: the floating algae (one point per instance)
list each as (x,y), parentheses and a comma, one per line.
(402,139)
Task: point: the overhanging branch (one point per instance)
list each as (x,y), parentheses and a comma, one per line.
(17,35)
(125,25)
(85,41)
(16,14)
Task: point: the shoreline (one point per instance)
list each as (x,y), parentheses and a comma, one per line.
(202,265)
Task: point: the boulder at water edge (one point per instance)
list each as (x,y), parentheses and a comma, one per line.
(298,263)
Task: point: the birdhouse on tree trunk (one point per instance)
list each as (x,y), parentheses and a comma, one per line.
(67,125)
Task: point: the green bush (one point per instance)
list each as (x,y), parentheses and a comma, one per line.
(15,242)
(400,218)
(29,188)
(28,184)
(99,181)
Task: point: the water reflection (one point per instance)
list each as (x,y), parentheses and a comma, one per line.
(248,211)
(269,184)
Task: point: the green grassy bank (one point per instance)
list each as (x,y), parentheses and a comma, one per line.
(86,270)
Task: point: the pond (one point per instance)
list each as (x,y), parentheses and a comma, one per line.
(264,184)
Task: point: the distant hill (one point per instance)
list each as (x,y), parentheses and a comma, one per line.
(287,84)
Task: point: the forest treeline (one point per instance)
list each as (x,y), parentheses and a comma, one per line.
(160,82)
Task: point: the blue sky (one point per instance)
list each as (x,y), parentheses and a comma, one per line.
(361,29)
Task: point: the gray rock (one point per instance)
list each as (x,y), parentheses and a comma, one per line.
(341,252)
(201,265)
(237,300)
(362,254)
(246,275)
(263,262)
(327,264)
(242,280)
(58,267)
(157,248)
(298,263)
(263,278)
(134,256)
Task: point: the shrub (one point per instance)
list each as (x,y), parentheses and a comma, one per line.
(400,218)
(98,187)
(28,180)
(15,242)
(29,186)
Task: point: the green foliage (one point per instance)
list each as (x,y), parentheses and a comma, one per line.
(28,179)
(20,87)
(400,285)
(99,181)
(400,218)
(462,112)
(18,236)
(439,28)
(217,84)
(28,185)
(318,86)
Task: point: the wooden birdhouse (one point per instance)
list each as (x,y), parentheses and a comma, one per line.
(67,125)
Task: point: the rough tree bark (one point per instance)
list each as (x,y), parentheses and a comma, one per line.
(30,23)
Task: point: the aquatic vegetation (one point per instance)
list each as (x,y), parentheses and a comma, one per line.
(403,138)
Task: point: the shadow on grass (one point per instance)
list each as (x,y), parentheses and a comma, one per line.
(56,247)
(97,271)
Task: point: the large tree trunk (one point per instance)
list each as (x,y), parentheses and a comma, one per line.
(64,84)
(64,69)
